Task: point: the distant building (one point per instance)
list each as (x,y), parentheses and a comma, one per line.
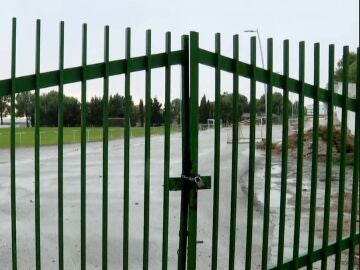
(19,122)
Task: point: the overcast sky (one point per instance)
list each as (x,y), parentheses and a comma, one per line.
(324,21)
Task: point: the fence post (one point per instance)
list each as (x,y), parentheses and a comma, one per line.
(193,132)
(185,155)
(12,149)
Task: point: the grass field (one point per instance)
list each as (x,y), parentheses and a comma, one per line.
(49,135)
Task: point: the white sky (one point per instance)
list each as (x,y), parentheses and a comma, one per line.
(324,21)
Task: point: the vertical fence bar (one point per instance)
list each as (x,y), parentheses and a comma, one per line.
(355,185)
(60,148)
(105,150)
(194,134)
(166,153)
(264,260)
(329,145)
(300,150)
(126,152)
(314,158)
(186,163)
(234,158)
(284,156)
(340,215)
(358,138)
(83,149)
(12,146)
(215,229)
(147,151)
(250,208)
(37,148)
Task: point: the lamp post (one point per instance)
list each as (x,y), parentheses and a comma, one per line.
(262,62)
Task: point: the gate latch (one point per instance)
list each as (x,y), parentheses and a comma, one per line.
(194,179)
(198,182)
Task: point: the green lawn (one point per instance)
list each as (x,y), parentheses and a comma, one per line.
(49,135)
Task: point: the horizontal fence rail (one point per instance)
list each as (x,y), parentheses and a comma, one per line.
(190,183)
(117,67)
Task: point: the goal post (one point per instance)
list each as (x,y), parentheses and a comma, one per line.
(244,131)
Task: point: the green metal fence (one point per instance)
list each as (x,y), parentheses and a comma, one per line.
(190,57)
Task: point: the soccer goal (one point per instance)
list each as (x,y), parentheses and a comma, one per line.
(244,131)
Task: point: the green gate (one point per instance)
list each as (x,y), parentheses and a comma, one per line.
(190,183)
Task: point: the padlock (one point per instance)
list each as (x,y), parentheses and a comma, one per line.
(196,180)
(199,182)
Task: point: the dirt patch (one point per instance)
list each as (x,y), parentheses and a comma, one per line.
(308,143)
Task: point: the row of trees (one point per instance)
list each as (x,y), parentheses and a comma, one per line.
(72,108)
(207,107)
(351,68)
(25,107)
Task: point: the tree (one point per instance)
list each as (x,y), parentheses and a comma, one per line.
(49,109)
(156,112)
(141,112)
(72,111)
(227,106)
(134,115)
(25,107)
(50,106)
(352,68)
(176,110)
(211,106)
(95,111)
(243,105)
(116,106)
(204,110)
(277,102)
(4,107)
(260,105)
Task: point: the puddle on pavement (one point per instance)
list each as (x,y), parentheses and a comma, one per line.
(275,187)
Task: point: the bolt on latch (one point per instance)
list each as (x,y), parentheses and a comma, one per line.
(194,179)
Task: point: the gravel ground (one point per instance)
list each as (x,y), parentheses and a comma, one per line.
(49,247)
(305,207)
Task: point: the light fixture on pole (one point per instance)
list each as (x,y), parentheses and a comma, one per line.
(262,62)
